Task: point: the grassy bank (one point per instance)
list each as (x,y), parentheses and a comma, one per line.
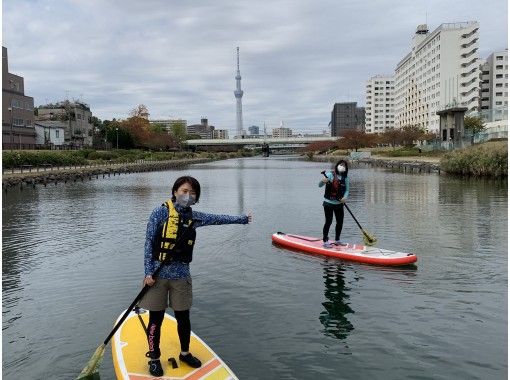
(16,159)
(489,159)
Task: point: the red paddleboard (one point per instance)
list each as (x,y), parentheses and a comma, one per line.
(351,252)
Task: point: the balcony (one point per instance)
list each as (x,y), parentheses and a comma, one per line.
(473,70)
(473,80)
(469,34)
(469,92)
(465,62)
(470,53)
(468,44)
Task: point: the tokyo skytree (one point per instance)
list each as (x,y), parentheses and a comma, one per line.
(239,106)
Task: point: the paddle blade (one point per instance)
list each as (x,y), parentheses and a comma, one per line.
(368,239)
(91,370)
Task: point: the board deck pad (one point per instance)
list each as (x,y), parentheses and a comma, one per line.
(351,252)
(129,346)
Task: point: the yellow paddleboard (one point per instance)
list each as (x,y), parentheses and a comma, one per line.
(129,345)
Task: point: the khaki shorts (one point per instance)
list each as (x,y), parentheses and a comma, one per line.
(164,293)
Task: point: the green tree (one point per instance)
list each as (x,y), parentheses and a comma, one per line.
(178,131)
(158,128)
(474,123)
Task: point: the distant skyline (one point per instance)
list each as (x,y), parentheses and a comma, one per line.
(179,59)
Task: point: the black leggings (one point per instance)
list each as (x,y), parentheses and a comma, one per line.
(154,330)
(329,209)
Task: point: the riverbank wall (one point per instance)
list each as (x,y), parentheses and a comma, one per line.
(53,177)
(406,165)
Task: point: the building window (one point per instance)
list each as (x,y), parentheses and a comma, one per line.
(57,134)
(499,58)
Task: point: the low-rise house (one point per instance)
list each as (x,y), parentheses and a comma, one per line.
(50,134)
(77,118)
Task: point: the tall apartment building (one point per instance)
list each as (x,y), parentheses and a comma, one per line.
(76,114)
(380,104)
(441,70)
(220,134)
(204,130)
(18,131)
(282,132)
(347,116)
(494,86)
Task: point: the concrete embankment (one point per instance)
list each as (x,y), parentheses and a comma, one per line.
(21,180)
(404,164)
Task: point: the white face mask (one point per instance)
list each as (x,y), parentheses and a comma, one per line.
(185,200)
(340,169)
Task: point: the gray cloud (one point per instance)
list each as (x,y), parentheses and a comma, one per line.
(297,57)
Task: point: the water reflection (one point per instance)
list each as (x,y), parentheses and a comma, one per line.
(240,186)
(18,247)
(337,305)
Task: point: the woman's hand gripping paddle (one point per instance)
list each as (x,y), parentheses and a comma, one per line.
(367,238)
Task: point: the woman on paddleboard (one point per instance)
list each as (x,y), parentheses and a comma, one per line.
(335,195)
(170,239)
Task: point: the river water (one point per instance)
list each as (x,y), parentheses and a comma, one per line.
(73,260)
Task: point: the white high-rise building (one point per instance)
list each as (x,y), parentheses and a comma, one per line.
(494,86)
(442,70)
(380,104)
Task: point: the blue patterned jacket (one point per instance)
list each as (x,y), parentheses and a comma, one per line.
(176,270)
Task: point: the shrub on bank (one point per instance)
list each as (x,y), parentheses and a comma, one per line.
(404,152)
(15,159)
(490,159)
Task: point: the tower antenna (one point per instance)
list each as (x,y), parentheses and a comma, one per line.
(238,93)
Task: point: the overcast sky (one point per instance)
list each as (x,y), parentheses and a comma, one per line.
(178,57)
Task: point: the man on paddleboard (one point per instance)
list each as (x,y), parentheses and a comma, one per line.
(335,195)
(170,239)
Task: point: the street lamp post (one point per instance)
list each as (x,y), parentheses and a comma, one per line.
(117,130)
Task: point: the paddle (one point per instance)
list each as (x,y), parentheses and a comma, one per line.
(90,371)
(92,367)
(367,238)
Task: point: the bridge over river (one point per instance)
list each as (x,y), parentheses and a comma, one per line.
(286,143)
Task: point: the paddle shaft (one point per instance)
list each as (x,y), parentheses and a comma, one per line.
(353,217)
(347,207)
